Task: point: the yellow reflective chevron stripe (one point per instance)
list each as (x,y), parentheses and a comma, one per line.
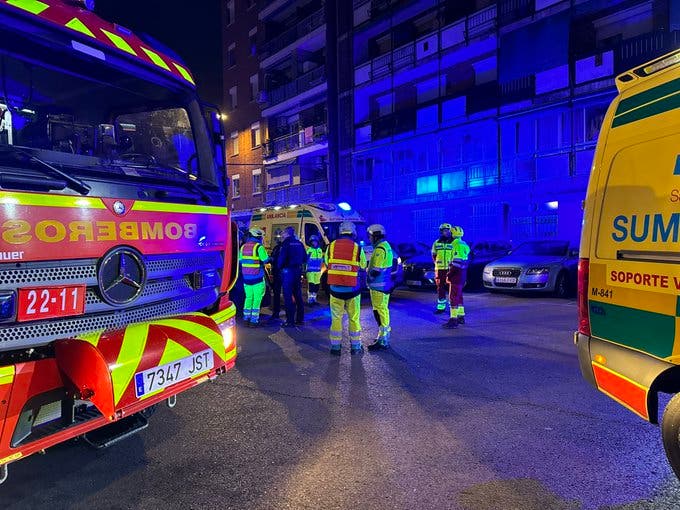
(211,338)
(32,6)
(131,351)
(41,200)
(120,43)
(224,315)
(155,58)
(6,375)
(173,351)
(185,74)
(231,355)
(182,208)
(79,26)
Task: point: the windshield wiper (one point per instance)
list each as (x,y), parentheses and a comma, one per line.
(152,165)
(72,182)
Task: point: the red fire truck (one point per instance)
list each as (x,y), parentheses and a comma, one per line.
(116,251)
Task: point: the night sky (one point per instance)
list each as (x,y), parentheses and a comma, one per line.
(191,28)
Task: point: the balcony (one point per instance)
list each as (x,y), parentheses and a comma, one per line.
(307,192)
(303,83)
(510,11)
(461,32)
(643,48)
(518,90)
(301,29)
(312,135)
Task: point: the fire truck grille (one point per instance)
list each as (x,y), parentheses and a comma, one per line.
(175,284)
(43,274)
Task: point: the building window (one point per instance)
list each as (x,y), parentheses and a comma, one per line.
(254,87)
(234,143)
(231,12)
(231,55)
(233,102)
(255,134)
(426,185)
(236,186)
(252,41)
(257,181)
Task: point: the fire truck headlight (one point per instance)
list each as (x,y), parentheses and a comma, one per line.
(227,330)
(7,306)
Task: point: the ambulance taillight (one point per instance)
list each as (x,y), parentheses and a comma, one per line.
(583,317)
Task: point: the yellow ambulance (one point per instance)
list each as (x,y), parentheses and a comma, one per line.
(320,219)
(628,336)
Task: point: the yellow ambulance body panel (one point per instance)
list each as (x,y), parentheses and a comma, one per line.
(629,272)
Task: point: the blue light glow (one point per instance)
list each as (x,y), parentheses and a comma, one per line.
(345,206)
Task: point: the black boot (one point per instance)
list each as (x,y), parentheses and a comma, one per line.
(451,324)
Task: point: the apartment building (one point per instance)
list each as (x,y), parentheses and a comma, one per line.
(296,69)
(241,93)
(484,113)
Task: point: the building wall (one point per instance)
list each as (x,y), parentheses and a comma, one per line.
(241,62)
(486,114)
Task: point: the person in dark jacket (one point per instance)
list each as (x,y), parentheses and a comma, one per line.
(290,261)
(276,281)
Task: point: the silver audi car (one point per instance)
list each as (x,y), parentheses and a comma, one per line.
(538,266)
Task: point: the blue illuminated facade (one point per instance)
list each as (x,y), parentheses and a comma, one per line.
(483,113)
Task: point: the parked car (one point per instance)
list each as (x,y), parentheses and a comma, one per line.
(419,269)
(535,266)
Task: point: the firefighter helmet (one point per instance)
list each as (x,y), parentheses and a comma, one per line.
(256,232)
(376,228)
(347,227)
(445,226)
(457,231)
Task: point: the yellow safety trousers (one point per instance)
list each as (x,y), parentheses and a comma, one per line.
(254,295)
(338,308)
(313,277)
(380,302)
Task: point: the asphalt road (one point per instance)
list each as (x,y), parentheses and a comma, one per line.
(492,416)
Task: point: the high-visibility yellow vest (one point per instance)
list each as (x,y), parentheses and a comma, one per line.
(442,253)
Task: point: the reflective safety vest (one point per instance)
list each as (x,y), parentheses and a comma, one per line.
(443,253)
(343,263)
(251,265)
(382,260)
(314,259)
(461,252)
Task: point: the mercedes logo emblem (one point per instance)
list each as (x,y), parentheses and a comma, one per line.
(118,207)
(121,276)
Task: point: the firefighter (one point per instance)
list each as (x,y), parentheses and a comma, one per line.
(344,258)
(456,277)
(442,253)
(253,259)
(380,284)
(313,271)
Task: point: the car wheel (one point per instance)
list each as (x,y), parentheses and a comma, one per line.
(561,286)
(670,433)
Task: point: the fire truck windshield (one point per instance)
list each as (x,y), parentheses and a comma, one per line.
(106,125)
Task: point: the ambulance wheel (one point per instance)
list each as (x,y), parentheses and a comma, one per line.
(561,285)
(670,433)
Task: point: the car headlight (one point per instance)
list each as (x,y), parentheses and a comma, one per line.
(538,270)
(488,271)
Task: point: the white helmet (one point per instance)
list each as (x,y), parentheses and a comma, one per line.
(256,232)
(376,228)
(347,227)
